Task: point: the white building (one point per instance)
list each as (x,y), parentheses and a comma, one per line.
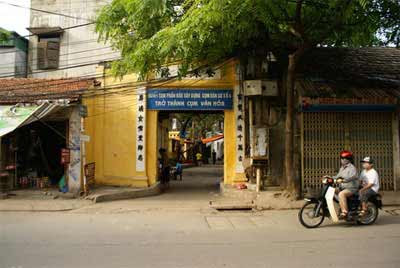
(65,45)
(13,55)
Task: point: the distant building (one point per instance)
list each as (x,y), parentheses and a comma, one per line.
(13,53)
(66,46)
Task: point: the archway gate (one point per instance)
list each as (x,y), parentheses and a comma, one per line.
(227,100)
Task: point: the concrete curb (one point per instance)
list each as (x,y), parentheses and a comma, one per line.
(127,194)
(10,205)
(38,210)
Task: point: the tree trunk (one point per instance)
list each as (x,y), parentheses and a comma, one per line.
(290,116)
(289,139)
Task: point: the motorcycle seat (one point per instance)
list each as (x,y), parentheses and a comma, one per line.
(354,197)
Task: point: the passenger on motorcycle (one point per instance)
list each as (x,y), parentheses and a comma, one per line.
(370,183)
(348,181)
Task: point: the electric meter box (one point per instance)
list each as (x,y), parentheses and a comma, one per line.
(268,88)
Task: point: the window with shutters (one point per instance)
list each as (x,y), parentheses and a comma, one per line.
(48,52)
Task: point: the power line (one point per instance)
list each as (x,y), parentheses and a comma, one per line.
(44,11)
(131,90)
(95,91)
(31,61)
(74,80)
(68,66)
(133,93)
(45,82)
(65,67)
(62,29)
(127,90)
(61,45)
(108,90)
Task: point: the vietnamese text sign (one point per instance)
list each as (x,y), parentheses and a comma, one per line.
(65,156)
(189,99)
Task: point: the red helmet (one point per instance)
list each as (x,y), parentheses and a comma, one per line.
(346,154)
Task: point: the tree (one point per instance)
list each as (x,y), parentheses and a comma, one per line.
(152,34)
(203,123)
(4,35)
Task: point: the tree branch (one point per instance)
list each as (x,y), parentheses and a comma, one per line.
(297,29)
(298,21)
(299,6)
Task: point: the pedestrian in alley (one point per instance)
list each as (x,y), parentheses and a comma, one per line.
(178,170)
(214,156)
(164,167)
(199,158)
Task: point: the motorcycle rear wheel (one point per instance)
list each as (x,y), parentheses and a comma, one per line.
(307,212)
(371,216)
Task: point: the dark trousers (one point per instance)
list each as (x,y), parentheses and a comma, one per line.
(165,175)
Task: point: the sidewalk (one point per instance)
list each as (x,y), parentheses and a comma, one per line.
(200,190)
(265,200)
(391,198)
(32,200)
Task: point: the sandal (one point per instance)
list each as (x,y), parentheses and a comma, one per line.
(343,215)
(362,213)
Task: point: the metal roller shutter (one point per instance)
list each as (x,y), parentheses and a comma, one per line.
(325,134)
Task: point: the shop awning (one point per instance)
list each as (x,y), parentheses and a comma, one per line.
(213,138)
(15,116)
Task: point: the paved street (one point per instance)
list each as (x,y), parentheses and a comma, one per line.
(192,239)
(177,229)
(199,186)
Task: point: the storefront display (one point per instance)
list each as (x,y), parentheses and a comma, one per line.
(34,156)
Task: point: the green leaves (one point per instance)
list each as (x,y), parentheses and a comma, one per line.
(154,33)
(4,35)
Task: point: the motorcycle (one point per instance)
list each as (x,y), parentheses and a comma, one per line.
(314,211)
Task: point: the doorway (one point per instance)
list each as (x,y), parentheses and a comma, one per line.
(193,142)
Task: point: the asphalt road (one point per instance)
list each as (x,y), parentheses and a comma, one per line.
(173,238)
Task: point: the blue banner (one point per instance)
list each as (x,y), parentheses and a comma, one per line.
(189,99)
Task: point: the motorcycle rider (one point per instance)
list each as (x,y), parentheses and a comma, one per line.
(347,179)
(370,183)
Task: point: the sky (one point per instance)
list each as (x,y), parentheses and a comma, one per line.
(15,18)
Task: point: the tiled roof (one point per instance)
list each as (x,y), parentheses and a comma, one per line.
(354,76)
(32,89)
(341,92)
(377,66)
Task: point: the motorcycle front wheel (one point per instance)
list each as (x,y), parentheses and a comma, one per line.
(371,215)
(307,216)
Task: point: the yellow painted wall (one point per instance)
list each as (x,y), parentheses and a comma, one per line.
(229,147)
(111,124)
